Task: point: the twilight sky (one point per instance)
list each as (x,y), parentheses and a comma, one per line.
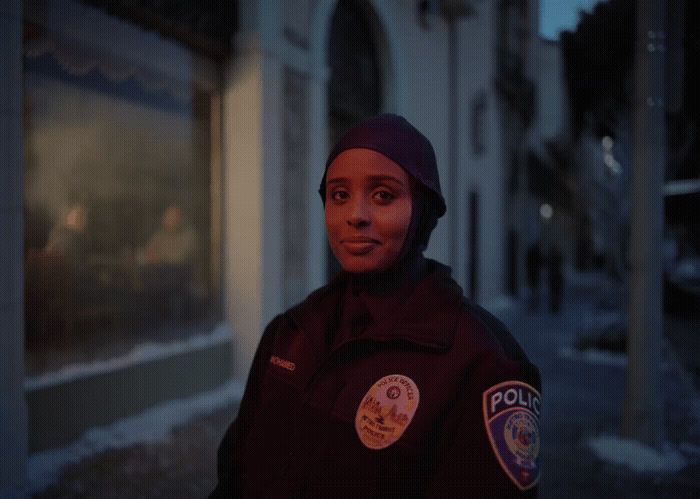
(557,15)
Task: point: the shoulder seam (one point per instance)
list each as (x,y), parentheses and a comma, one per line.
(497,331)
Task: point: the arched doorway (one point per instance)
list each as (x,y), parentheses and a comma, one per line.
(357,60)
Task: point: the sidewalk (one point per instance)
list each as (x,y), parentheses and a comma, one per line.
(583,395)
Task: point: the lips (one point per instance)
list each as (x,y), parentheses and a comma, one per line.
(359,239)
(357,245)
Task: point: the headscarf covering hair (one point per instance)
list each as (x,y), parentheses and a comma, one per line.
(394,137)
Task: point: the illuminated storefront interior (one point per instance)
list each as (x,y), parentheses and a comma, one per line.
(122,211)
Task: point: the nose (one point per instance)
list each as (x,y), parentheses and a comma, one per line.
(358,215)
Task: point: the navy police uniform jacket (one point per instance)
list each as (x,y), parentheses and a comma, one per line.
(435,400)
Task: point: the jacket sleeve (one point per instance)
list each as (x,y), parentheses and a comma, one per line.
(489,444)
(231,450)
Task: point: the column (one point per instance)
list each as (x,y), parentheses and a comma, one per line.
(251,182)
(13,407)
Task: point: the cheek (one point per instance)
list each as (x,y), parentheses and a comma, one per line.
(395,224)
(331,219)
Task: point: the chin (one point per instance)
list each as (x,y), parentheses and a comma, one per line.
(358,269)
(356,265)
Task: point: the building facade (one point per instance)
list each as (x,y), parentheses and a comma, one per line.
(166,165)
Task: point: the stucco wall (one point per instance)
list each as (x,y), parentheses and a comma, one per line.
(294,37)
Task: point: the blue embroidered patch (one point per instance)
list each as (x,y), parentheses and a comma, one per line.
(511,416)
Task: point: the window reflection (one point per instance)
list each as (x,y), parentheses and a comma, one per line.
(118,169)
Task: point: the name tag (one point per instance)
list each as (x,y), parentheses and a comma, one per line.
(283,363)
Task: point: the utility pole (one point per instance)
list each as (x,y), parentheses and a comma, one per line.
(643,406)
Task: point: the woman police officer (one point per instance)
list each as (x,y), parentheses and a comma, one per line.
(386,381)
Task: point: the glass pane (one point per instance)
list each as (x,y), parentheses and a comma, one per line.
(118,183)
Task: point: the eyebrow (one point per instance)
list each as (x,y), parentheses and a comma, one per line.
(371,178)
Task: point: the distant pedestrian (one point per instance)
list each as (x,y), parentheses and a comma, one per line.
(555,274)
(533,267)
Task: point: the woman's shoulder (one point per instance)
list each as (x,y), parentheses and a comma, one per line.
(496,356)
(496,333)
(319,305)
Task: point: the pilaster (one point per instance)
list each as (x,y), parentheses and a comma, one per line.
(13,407)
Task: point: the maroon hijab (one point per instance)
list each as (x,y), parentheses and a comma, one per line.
(372,296)
(394,137)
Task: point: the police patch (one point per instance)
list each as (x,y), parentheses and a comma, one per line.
(511,415)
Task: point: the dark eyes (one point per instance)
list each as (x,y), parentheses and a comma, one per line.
(339,195)
(382,196)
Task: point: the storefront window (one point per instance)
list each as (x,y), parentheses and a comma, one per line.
(121,167)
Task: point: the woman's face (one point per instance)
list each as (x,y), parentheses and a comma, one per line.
(368,210)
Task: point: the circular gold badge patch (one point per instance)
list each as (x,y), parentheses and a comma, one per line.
(386,411)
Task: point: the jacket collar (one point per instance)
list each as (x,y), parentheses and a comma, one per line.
(428,318)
